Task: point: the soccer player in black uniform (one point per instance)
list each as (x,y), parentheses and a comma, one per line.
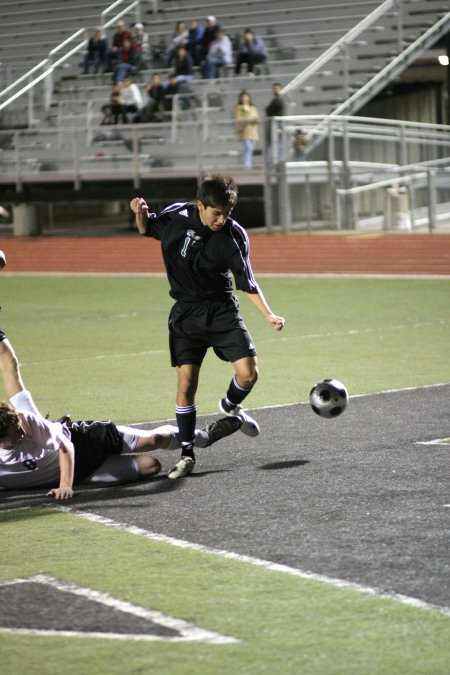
(201,244)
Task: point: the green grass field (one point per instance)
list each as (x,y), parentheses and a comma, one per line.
(97,347)
(284,624)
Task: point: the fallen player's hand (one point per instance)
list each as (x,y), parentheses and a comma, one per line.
(63,492)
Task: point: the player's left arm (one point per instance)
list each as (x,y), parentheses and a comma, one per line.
(9,368)
(66,471)
(260,302)
(241,268)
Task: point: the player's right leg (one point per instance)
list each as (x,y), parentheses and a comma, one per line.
(186,414)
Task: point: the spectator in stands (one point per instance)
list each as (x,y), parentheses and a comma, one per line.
(141,45)
(119,37)
(114,110)
(153,110)
(220,54)
(183,65)
(250,50)
(275,108)
(126,61)
(194,41)
(96,52)
(180,38)
(300,143)
(132,100)
(172,88)
(247,122)
(208,37)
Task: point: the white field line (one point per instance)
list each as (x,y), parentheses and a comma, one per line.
(266,564)
(187,631)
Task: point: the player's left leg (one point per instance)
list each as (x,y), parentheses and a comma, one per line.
(246,375)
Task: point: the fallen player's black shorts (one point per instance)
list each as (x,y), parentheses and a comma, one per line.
(93,443)
(194,327)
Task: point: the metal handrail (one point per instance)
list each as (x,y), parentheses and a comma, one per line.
(339,45)
(49,60)
(382,76)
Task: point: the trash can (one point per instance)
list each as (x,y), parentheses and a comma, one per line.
(25,220)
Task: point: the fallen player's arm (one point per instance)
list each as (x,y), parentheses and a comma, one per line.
(9,367)
(260,303)
(66,469)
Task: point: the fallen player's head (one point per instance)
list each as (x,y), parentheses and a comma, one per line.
(11,431)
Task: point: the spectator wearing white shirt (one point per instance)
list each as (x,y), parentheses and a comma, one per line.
(131,99)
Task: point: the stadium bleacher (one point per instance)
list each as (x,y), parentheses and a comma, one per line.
(296,36)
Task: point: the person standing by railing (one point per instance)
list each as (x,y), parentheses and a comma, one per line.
(247,122)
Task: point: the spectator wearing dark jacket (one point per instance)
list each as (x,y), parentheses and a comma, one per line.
(250,50)
(194,41)
(96,53)
(183,65)
(127,61)
(209,35)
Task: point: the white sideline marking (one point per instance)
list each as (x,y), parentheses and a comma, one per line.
(436,441)
(188,632)
(259,562)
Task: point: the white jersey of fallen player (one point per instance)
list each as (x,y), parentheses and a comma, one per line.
(34,461)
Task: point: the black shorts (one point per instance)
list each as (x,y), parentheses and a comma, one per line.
(93,443)
(194,327)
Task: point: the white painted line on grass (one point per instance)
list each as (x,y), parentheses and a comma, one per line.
(187,631)
(266,564)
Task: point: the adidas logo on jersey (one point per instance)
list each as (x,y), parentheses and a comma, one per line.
(184,213)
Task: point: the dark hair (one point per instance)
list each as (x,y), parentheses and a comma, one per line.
(245,93)
(9,420)
(218,191)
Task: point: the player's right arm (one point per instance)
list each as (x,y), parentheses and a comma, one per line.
(66,469)
(140,208)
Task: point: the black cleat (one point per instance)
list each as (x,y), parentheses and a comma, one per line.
(65,419)
(222,428)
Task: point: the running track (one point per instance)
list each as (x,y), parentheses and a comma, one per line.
(343,253)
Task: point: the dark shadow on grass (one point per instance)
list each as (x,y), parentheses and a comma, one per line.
(85,494)
(287,464)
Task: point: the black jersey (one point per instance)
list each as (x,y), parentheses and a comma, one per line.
(199,260)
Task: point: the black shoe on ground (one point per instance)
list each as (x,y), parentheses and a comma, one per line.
(222,428)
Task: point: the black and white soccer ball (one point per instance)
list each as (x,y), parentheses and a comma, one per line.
(328,398)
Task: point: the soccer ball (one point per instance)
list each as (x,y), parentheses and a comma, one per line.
(328,398)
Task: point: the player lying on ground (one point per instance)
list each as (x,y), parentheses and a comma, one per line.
(202,246)
(38,453)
